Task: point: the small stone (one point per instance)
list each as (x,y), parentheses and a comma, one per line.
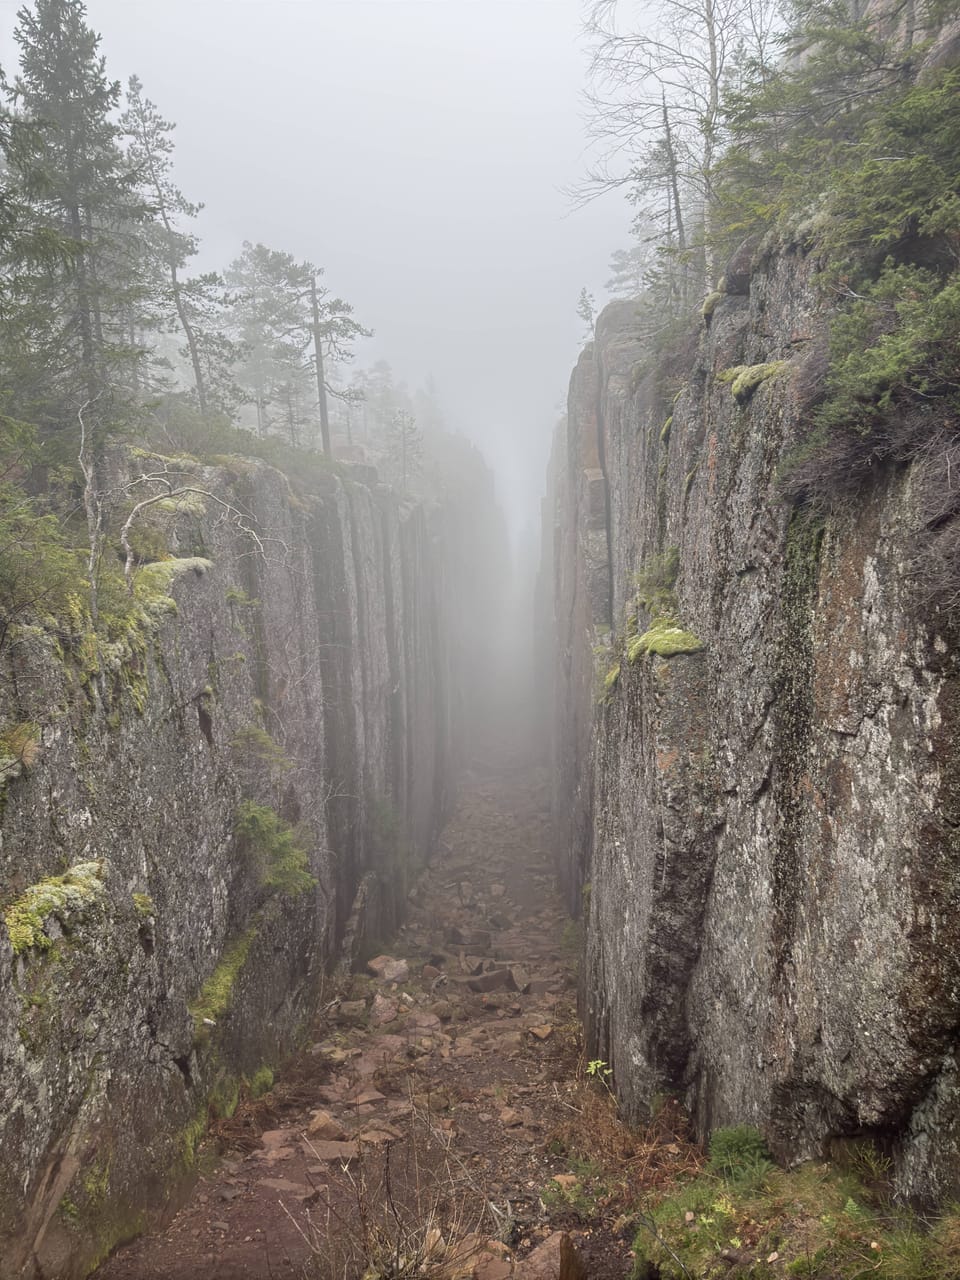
(325,1127)
(273,1139)
(689,1217)
(284,1184)
(331,1151)
(495,980)
(382,1010)
(352,1011)
(565,1180)
(543,1032)
(555,1259)
(493,1269)
(219,1226)
(430,973)
(377,1137)
(389,969)
(773,1257)
(511,1118)
(367,1098)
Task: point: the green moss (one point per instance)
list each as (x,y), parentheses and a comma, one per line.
(183,504)
(817,1221)
(611,678)
(159,577)
(665,639)
(96,1182)
(273,846)
(217,992)
(143,905)
(237,598)
(191,1136)
(224,1096)
(655,580)
(73,892)
(261,1083)
(745,378)
(710,304)
(665,431)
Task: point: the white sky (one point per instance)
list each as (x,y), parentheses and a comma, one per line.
(414,148)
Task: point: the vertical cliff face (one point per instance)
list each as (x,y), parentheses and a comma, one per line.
(765,823)
(186,822)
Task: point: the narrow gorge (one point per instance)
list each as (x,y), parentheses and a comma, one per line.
(436,844)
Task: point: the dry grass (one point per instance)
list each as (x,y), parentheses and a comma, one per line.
(633,1163)
(410,1208)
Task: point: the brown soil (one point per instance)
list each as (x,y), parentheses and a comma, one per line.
(451,1110)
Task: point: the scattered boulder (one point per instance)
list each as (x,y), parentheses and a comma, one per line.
(555,1259)
(352,1011)
(494,980)
(382,1010)
(389,969)
(367,1098)
(325,1127)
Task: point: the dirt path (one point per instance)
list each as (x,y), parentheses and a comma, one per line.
(419,1133)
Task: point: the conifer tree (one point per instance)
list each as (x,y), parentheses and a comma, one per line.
(65,153)
(192,305)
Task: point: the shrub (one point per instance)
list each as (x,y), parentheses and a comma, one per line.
(272,844)
(738,1150)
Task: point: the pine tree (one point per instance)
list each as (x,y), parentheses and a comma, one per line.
(192,305)
(65,153)
(587,311)
(271,319)
(69,358)
(405,448)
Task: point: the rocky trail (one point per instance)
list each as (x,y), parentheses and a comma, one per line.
(423,1132)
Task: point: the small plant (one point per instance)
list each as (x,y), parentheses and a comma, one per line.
(261,1082)
(19,746)
(738,1151)
(655,580)
(273,846)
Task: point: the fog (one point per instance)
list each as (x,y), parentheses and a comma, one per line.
(418,150)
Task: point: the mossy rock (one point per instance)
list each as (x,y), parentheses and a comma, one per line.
(666,640)
(63,897)
(745,378)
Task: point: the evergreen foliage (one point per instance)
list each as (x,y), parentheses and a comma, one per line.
(274,848)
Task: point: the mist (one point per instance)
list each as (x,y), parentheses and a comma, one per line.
(418,150)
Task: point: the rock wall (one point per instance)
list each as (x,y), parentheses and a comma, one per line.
(764,830)
(153,959)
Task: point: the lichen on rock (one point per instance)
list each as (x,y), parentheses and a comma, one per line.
(65,897)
